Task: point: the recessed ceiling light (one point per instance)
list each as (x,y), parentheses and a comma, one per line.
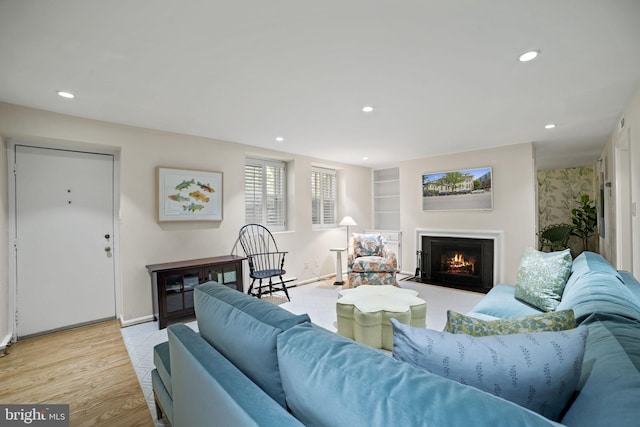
(365,158)
(279,138)
(367,108)
(549,126)
(65,94)
(528,56)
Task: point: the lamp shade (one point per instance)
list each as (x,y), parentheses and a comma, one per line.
(347,220)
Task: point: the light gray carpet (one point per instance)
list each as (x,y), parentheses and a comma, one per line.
(317,299)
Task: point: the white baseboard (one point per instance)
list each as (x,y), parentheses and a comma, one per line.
(315,279)
(137,321)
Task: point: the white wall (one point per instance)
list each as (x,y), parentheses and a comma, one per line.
(618,137)
(632,117)
(514,202)
(142,240)
(4,246)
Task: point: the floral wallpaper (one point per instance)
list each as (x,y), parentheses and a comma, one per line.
(558,192)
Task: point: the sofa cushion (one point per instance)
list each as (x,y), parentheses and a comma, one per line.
(373,264)
(589,262)
(552,321)
(162,363)
(210,390)
(609,388)
(598,292)
(631,282)
(244,329)
(500,302)
(537,370)
(542,277)
(333,381)
(161,396)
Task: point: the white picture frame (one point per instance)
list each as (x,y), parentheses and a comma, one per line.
(189,195)
(465,189)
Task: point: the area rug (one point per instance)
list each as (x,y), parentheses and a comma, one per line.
(140,340)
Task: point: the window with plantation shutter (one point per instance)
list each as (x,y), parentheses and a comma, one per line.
(323,197)
(265,193)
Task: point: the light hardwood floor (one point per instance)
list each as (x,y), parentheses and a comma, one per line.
(87,368)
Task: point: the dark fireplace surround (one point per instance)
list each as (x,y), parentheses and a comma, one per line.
(457,262)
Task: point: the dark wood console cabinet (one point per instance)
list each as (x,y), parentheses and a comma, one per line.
(172,283)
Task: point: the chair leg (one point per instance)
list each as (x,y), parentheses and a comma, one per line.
(260,289)
(270,287)
(284,288)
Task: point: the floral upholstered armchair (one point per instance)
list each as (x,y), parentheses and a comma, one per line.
(371,262)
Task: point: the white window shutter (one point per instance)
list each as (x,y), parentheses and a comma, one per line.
(323,197)
(265,193)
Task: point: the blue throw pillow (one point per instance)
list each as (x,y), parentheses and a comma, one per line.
(537,370)
(245,329)
(542,277)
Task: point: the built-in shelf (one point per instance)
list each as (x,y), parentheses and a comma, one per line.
(386,208)
(386,199)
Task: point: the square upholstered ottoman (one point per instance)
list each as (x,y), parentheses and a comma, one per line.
(364,313)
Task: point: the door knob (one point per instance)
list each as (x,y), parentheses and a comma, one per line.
(107,249)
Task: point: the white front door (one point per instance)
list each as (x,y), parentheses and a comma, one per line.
(64,235)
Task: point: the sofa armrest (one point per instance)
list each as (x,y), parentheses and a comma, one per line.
(208,389)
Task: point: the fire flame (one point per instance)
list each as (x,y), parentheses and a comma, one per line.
(458,264)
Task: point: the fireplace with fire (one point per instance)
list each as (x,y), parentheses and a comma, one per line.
(462,263)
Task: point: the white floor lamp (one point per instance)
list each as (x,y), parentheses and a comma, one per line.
(348,221)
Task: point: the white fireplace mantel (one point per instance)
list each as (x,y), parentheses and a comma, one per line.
(495,235)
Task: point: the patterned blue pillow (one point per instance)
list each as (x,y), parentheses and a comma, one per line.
(542,277)
(553,321)
(537,370)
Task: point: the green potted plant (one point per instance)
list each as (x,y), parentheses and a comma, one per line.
(585,220)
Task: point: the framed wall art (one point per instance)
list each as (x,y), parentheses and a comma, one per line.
(467,189)
(189,195)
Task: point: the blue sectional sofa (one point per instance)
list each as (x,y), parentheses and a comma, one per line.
(255,364)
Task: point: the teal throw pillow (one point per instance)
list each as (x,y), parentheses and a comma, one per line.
(542,277)
(536,370)
(552,321)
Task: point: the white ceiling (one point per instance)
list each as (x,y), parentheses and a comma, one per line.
(442,75)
